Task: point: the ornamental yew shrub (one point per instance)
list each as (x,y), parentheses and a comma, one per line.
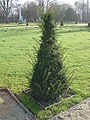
(49,78)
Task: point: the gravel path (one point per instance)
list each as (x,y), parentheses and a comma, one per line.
(10,110)
(78,112)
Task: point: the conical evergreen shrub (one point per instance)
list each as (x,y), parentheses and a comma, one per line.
(49,79)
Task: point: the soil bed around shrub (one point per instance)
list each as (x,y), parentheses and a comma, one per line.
(45,104)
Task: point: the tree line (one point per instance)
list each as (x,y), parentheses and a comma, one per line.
(31,11)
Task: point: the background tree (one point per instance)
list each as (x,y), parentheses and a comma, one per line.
(30,11)
(49,78)
(33,10)
(1,14)
(70,15)
(59,10)
(41,5)
(88,13)
(6,6)
(81,10)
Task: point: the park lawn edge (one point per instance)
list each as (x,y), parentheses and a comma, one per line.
(42,114)
(80,58)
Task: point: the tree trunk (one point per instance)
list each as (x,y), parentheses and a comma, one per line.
(7,17)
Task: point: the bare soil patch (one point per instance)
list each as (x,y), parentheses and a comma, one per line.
(45,104)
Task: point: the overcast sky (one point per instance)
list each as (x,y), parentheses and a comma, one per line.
(61,1)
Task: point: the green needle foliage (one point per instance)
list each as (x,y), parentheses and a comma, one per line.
(49,79)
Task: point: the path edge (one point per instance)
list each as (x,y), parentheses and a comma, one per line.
(18,102)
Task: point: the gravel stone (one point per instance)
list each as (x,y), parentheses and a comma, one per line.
(11,110)
(78,112)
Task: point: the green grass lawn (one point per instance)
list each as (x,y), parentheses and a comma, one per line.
(17,48)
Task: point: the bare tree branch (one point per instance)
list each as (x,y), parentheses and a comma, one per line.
(6,6)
